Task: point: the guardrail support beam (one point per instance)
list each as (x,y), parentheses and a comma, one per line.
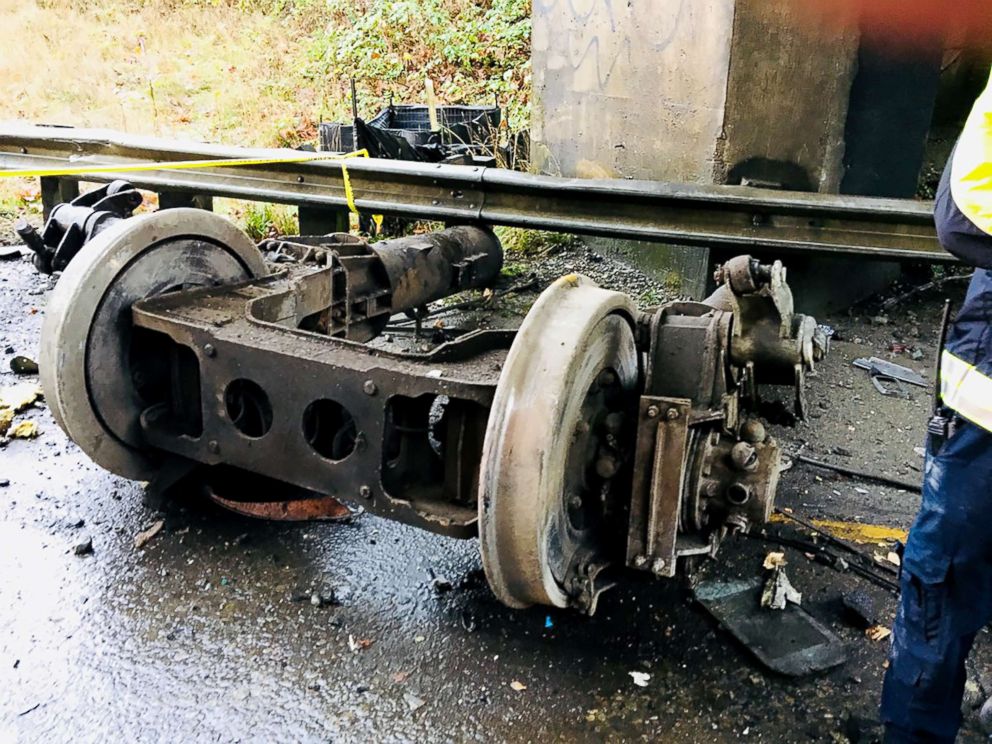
(55,190)
(317,221)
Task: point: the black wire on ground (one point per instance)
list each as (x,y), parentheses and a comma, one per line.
(862,474)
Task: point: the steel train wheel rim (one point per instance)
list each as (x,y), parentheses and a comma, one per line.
(572,334)
(111,268)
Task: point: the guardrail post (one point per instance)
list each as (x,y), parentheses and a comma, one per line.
(55,191)
(174,199)
(322,221)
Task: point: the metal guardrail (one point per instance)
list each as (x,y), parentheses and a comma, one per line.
(730,217)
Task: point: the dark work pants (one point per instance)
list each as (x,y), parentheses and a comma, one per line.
(946,591)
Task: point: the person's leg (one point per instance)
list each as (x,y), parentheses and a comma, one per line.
(946,592)
(921,695)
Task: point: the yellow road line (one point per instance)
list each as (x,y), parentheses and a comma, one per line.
(857,532)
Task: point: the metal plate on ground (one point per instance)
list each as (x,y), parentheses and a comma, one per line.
(791,641)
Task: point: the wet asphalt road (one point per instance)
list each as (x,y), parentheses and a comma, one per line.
(208,633)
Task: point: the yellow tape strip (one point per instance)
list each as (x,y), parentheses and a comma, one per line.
(83,170)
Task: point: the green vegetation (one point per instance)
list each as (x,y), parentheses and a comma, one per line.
(252,72)
(534,242)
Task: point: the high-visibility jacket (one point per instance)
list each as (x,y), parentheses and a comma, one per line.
(963,215)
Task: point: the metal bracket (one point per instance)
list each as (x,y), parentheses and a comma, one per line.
(659,472)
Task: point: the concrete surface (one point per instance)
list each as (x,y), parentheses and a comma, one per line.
(209,634)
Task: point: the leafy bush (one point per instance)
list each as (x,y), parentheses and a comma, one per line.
(475,52)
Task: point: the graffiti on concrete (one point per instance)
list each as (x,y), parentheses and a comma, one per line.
(599,39)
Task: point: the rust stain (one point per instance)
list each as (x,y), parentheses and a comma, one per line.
(323,508)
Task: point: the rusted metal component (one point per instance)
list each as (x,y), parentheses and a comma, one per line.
(595,437)
(656,491)
(292,404)
(317,508)
(771,342)
(365,284)
(710,469)
(70,225)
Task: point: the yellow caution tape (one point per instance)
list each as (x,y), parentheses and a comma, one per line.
(83,170)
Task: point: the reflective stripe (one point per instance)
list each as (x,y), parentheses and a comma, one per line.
(971,171)
(965,390)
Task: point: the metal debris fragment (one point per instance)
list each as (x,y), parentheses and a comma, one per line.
(143,537)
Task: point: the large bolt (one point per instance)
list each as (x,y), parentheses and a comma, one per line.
(213,447)
(575,501)
(640,561)
(658,567)
(744,456)
(753,431)
(209,350)
(607,466)
(672,414)
(653,411)
(369,387)
(365,492)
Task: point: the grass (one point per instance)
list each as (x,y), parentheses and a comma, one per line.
(251,72)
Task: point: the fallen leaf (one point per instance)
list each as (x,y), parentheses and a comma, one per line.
(518,686)
(24,430)
(641,679)
(774,560)
(878,633)
(142,538)
(400,677)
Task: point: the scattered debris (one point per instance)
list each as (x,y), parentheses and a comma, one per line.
(83,547)
(326,599)
(413,702)
(142,538)
(882,368)
(6,419)
(9,252)
(401,677)
(20,396)
(359,645)
(774,560)
(860,608)
(548,623)
(518,686)
(778,590)
(440,584)
(791,642)
(641,679)
(4,482)
(877,633)
(22,365)
(24,430)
